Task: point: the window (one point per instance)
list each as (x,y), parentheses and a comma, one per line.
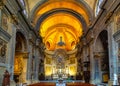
(22,2)
(98,5)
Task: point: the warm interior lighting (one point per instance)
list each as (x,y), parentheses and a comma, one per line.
(72,70)
(69,4)
(61,25)
(48,71)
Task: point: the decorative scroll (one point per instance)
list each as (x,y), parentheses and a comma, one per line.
(3,46)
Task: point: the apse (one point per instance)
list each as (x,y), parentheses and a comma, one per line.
(61,24)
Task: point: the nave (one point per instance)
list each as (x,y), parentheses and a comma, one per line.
(43,41)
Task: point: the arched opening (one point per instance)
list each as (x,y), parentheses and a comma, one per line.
(101,58)
(20,60)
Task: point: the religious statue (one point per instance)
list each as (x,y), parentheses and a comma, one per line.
(6,79)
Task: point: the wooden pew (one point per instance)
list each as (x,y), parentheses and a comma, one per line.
(78,84)
(43,84)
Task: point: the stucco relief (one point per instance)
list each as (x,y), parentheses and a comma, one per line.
(3,46)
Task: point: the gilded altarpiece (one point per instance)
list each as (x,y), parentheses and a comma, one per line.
(20,66)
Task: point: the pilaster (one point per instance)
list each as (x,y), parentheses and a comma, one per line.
(11,48)
(29,62)
(37,60)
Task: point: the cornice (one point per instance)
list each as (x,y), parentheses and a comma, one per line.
(5,35)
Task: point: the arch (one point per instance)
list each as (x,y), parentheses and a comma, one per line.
(102,31)
(21,57)
(101,56)
(20,38)
(81,2)
(69,11)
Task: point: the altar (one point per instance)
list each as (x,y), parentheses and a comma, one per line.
(60,66)
(57,76)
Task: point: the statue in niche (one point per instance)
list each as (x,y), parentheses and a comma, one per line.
(6,79)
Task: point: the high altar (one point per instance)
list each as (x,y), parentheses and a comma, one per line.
(60,65)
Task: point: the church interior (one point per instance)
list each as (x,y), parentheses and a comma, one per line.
(47,40)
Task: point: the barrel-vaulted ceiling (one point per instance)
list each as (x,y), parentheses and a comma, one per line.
(61,23)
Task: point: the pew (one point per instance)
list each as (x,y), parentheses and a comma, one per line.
(43,84)
(78,84)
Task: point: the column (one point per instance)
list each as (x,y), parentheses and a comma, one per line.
(29,70)
(113,52)
(37,61)
(92,64)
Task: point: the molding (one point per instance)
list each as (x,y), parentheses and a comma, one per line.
(3,65)
(117,36)
(68,52)
(5,35)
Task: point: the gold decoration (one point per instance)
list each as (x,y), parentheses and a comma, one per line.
(18,65)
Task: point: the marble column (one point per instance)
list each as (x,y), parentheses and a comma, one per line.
(113,55)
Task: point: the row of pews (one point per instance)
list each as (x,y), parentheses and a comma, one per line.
(67,84)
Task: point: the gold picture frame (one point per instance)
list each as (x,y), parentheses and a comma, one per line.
(105,77)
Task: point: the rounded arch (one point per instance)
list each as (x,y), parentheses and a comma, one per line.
(101,55)
(81,2)
(69,11)
(21,42)
(102,34)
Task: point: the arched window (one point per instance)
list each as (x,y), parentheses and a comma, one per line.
(22,2)
(98,7)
